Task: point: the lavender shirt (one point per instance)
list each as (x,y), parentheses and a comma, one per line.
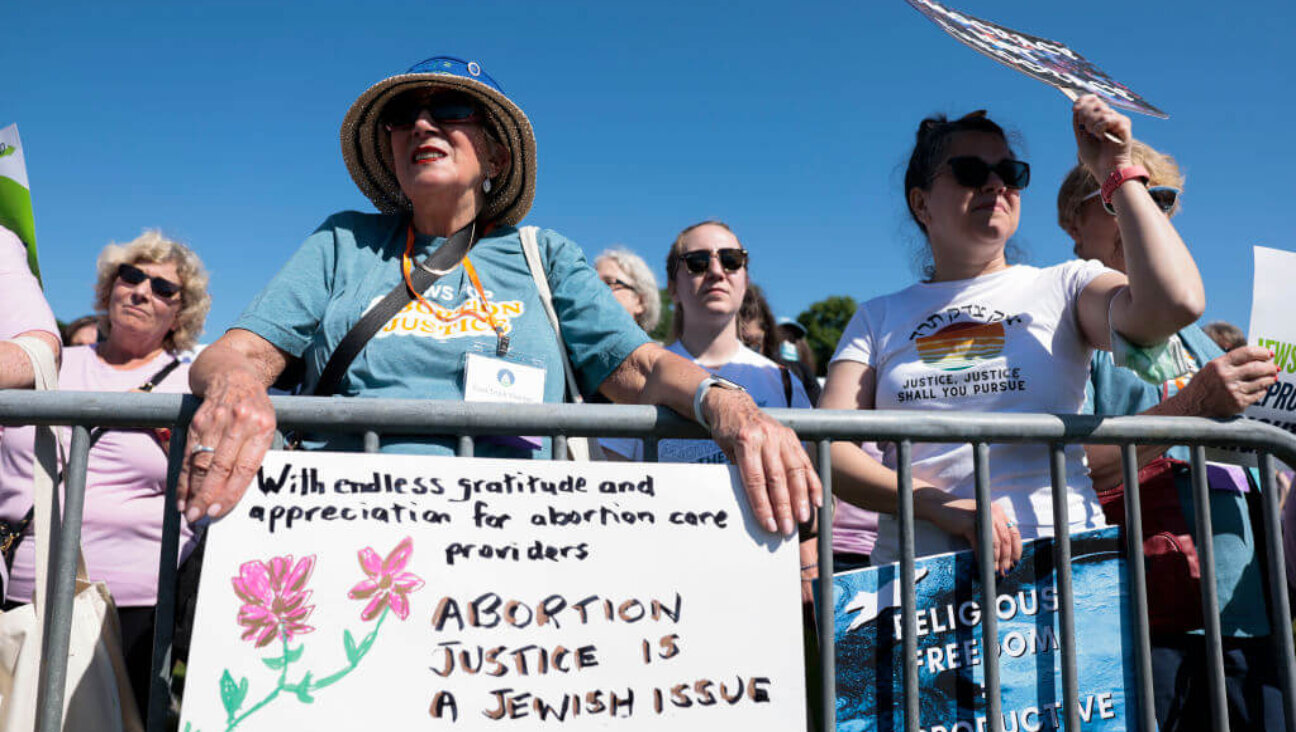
(854,528)
(125,488)
(22,304)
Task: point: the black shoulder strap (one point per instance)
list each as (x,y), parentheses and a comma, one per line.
(162,373)
(787,384)
(422,278)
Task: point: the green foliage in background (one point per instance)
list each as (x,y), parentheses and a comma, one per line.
(824,322)
(662,331)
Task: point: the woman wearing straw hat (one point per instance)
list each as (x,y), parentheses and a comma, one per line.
(450,162)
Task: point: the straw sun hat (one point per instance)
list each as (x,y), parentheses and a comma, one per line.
(366,146)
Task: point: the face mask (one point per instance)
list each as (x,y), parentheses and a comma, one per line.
(787,351)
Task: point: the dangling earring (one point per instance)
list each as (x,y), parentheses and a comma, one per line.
(486,186)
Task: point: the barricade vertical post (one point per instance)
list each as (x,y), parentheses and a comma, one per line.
(559,447)
(371,441)
(908,590)
(1138,587)
(65,546)
(465,446)
(1065,592)
(1210,601)
(827,639)
(159,694)
(986,563)
(650,451)
(1280,607)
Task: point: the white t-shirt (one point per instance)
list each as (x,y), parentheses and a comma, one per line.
(1004,342)
(761,377)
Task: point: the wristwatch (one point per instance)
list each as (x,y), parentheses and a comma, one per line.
(702,389)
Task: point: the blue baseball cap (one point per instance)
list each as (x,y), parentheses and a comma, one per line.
(793,324)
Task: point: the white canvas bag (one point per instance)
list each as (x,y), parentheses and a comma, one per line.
(97,696)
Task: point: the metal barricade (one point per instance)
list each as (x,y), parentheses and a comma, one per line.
(374,418)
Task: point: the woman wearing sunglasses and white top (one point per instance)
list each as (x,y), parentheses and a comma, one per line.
(707,279)
(982,335)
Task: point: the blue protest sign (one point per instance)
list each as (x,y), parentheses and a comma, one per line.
(868,630)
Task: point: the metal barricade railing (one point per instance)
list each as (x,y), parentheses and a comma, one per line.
(374,418)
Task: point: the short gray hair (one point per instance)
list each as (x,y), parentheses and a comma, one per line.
(641,281)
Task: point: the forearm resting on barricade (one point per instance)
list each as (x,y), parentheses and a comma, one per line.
(233,428)
(776,473)
(15,368)
(237,350)
(1224,387)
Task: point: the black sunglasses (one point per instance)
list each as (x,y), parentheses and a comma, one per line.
(403,111)
(731,259)
(1165,197)
(615,284)
(973,172)
(162,287)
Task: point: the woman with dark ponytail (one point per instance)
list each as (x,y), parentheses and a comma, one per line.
(979,334)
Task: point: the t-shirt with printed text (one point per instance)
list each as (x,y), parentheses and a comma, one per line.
(353,260)
(1009,341)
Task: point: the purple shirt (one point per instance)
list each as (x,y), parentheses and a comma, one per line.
(121,535)
(22,304)
(855,529)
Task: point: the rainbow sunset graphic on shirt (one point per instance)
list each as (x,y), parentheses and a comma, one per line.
(962,345)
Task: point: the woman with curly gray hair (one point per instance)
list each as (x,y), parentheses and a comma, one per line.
(632,283)
(151,299)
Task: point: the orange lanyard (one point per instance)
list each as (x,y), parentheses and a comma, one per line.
(501,340)
(407,263)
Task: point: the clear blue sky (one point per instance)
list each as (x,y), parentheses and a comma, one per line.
(218,123)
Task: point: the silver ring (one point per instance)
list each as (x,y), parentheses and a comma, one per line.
(1012,525)
(200,448)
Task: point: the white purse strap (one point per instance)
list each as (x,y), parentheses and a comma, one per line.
(581,449)
(48,457)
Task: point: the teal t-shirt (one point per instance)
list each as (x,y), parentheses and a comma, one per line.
(354,259)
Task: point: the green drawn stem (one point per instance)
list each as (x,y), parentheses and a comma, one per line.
(336,676)
(283,676)
(367,644)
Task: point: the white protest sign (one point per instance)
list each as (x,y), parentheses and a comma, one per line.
(352,591)
(1048,61)
(1273,327)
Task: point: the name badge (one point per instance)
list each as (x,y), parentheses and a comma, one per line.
(489,379)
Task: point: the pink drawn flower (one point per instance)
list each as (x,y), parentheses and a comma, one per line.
(386,584)
(274,598)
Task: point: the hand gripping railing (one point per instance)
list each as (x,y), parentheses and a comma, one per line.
(375,418)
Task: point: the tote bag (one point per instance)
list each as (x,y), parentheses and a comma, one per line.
(97,696)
